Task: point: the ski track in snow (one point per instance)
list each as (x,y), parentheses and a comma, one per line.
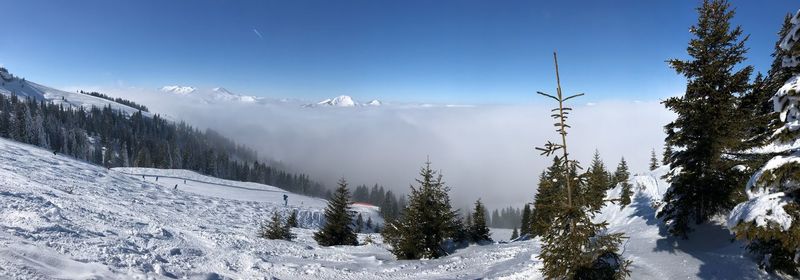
(65,219)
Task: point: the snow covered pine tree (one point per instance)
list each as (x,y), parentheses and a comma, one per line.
(769,218)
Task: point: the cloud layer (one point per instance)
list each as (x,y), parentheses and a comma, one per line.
(483,151)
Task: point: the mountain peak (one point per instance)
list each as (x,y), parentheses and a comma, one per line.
(183,90)
(222,90)
(339,101)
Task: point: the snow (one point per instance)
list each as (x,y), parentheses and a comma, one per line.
(374,102)
(764,210)
(339,101)
(214,95)
(67,219)
(767,196)
(182,90)
(765,202)
(23,88)
(786,101)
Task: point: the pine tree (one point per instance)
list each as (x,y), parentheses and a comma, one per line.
(525,224)
(426,222)
(621,176)
(653,160)
(551,193)
(338,229)
(756,105)
(479,232)
(275,229)
(495,220)
(292,221)
(359,226)
(369,223)
(514,234)
(707,125)
(597,184)
(572,246)
(774,235)
(666,157)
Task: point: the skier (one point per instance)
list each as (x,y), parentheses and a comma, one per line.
(143,177)
(285,200)
(176,186)
(156,178)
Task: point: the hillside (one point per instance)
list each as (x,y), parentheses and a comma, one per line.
(63,218)
(23,88)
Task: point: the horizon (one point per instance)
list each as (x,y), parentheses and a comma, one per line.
(465,52)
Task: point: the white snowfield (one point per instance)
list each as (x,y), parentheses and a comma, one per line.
(65,219)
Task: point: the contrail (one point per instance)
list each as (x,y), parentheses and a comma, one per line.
(258,33)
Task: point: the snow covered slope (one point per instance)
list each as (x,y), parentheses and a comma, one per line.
(63,218)
(709,252)
(23,88)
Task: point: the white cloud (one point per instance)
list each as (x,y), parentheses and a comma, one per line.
(483,151)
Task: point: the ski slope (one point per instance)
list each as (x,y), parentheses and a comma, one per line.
(65,219)
(23,88)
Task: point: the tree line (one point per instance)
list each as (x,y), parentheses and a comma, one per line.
(389,203)
(118,100)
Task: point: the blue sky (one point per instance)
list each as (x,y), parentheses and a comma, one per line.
(462,51)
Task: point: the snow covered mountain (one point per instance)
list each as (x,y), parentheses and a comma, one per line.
(344,101)
(67,219)
(210,96)
(12,85)
(339,101)
(181,90)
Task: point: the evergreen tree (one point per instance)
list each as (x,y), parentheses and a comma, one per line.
(550,194)
(621,176)
(292,221)
(495,220)
(275,229)
(514,234)
(666,157)
(359,226)
(756,105)
(525,227)
(478,231)
(338,228)
(707,125)
(573,247)
(653,160)
(597,183)
(773,234)
(369,223)
(426,222)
